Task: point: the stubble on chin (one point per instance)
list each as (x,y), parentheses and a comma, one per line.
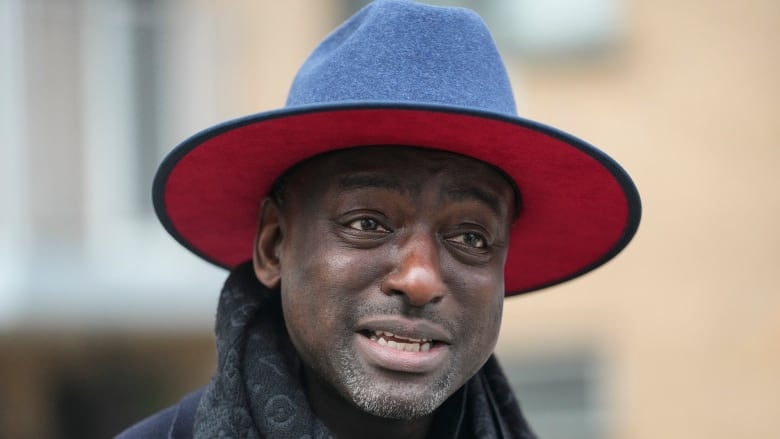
(388,400)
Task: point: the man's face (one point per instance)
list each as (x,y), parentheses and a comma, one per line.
(391,267)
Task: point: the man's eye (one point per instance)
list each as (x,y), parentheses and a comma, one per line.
(367,225)
(470,239)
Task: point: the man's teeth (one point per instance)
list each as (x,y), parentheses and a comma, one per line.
(391,340)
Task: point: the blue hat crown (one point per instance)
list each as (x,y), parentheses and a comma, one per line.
(398,51)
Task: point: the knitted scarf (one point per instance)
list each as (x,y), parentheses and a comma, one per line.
(256,391)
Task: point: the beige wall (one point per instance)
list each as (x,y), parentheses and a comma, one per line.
(688,317)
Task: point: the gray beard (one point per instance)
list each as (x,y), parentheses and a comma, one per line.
(380,400)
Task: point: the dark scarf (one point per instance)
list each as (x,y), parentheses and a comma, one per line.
(257,393)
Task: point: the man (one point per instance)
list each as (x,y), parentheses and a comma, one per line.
(400,200)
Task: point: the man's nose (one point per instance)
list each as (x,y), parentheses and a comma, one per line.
(417,274)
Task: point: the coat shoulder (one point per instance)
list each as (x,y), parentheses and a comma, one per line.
(174,422)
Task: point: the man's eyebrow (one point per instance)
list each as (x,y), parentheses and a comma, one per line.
(472,192)
(362,181)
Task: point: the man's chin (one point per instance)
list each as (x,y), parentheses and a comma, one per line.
(395,408)
(397,400)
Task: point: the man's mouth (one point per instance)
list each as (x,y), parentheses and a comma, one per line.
(402,345)
(385,338)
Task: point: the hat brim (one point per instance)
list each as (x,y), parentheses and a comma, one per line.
(579,207)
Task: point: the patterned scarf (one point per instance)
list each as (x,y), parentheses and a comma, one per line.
(257,392)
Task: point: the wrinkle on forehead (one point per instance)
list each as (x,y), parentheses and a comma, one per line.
(465,193)
(361,180)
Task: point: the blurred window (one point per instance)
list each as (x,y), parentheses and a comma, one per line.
(147,70)
(14,220)
(560,394)
(129,103)
(90,88)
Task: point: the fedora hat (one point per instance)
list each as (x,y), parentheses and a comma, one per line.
(403,73)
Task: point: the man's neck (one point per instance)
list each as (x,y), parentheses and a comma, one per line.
(346,421)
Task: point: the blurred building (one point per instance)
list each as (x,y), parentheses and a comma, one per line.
(104,318)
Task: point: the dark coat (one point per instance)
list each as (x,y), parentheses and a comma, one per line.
(175,422)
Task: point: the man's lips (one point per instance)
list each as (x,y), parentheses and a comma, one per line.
(402,345)
(409,329)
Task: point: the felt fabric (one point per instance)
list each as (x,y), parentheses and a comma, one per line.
(404,73)
(361,61)
(257,393)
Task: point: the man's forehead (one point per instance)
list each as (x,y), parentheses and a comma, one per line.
(378,160)
(405,169)
(386,165)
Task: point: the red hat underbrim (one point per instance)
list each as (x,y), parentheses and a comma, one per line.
(579,207)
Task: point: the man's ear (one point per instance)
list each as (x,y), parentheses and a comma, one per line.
(268,241)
